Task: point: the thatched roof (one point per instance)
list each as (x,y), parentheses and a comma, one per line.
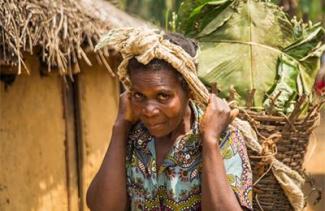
(60,32)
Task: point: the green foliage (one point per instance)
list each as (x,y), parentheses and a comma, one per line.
(159,12)
(253,45)
(313,10)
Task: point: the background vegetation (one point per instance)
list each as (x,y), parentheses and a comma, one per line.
(160,12)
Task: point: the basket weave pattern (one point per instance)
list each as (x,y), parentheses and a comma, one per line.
(290,149)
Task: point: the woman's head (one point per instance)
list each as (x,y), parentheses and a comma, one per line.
(160,95)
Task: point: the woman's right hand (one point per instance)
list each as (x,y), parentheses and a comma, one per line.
(125,112)
(216,118)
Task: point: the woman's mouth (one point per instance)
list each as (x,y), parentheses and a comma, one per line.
(155,126)
(157,129)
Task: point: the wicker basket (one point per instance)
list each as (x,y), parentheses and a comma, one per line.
(291,149)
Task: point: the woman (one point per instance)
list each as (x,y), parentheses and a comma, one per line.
(177,158)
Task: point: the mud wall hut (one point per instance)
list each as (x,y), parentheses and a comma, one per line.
(58,100)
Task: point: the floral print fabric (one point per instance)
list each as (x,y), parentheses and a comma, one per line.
(176,185)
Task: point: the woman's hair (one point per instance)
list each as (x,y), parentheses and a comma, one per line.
(189,45)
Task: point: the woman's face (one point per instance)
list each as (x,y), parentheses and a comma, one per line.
(158,99)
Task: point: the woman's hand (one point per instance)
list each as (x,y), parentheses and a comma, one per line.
(125,112)
(216,118)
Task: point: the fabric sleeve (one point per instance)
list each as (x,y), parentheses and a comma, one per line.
(237,165)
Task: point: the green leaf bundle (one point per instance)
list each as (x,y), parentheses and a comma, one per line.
(252,44)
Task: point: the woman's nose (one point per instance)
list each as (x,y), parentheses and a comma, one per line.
(150,109)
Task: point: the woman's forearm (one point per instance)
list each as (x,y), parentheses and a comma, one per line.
(108,189)
(216,192)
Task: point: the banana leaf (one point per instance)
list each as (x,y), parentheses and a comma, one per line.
(286,83)
(251,44)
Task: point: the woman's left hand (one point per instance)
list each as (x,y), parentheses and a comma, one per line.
(218,115)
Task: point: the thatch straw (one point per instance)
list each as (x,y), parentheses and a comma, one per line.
(59,32)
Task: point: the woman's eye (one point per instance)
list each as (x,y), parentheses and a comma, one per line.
(163,96)
(138,96)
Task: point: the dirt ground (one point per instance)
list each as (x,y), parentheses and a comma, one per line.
(315,165)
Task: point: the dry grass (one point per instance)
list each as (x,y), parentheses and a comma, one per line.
(59,32)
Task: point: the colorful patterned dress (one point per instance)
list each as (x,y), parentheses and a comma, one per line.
(176,185)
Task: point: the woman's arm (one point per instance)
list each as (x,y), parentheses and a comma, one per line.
(108,189)
(216,191)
